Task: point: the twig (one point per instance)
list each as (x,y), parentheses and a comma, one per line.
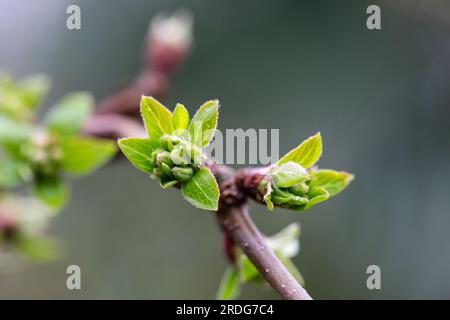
(115,118)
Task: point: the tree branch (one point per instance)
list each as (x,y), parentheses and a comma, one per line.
(115,118)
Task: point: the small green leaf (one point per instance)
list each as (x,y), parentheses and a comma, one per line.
(10,175)
(52,191)
(317,195)
(332,181)
(286,241)
(201,190)
(289,174)
(180,117)
(268,197)
(306,154)
(13,132)
(230,287)
(157,118)
(204,122)
(38,248)
(69,115)
(139,152)
(34,88)
(82,155)
(247,270)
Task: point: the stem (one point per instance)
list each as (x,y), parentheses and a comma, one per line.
(236,221)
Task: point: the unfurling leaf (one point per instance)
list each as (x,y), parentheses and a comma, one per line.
(139,152)
(201,190)
(180,117)
(83,155)
(332,181)
(34,88)
(204,123)
(52,191)
(10,174)
(306,154)
(157,118)
(230,287)
(286,241)
(68,116)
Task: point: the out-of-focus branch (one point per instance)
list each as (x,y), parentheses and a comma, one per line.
(167,43)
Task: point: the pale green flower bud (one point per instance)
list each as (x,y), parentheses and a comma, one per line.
(289,174)
(183,174)
(163,157)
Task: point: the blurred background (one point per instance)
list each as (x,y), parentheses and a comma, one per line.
(380,98)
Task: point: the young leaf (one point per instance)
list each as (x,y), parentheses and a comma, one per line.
(230,287)
(10,175)
(247,270)
(13,132)
(317,195)
(139,152)
(69,114)
(180,117)
(204,122)
(268,197)
(201,190)
(34,89)
(306,154)
(157,118)
(332,181)
(83,155)
(286,241)
(52,191)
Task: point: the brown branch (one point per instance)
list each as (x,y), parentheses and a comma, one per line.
(236,221)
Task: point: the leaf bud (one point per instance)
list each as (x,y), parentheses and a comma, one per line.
(183,174)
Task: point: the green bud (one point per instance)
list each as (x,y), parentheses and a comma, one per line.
(164,157)
(166,142)
(183,174)
(158,172)
(154,155)
(300,189)
(166,169)
(289,174)
(279,199)
(296,200)
(179,156)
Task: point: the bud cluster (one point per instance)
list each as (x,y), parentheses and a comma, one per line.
(176,160)
(291,187)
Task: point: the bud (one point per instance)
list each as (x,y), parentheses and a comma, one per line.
(166,142)
(179,156)
(163,157)
(183,174)
(289,174)
(166,169)
(158,172)
(299,189)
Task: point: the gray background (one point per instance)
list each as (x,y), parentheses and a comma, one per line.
(380,98)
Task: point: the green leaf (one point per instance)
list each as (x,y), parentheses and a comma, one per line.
(68,116)
(268,197)
(286,241)
(306,154)
(13,132)
(139,152)
(180,117)
(247,270)
(157,118)
(201,190)
(52,191)
(34,88)
(288,174)
(10,175)
(229,286)
(204,122)
(82,155)
(332,181)
(38,248)
(317,195)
